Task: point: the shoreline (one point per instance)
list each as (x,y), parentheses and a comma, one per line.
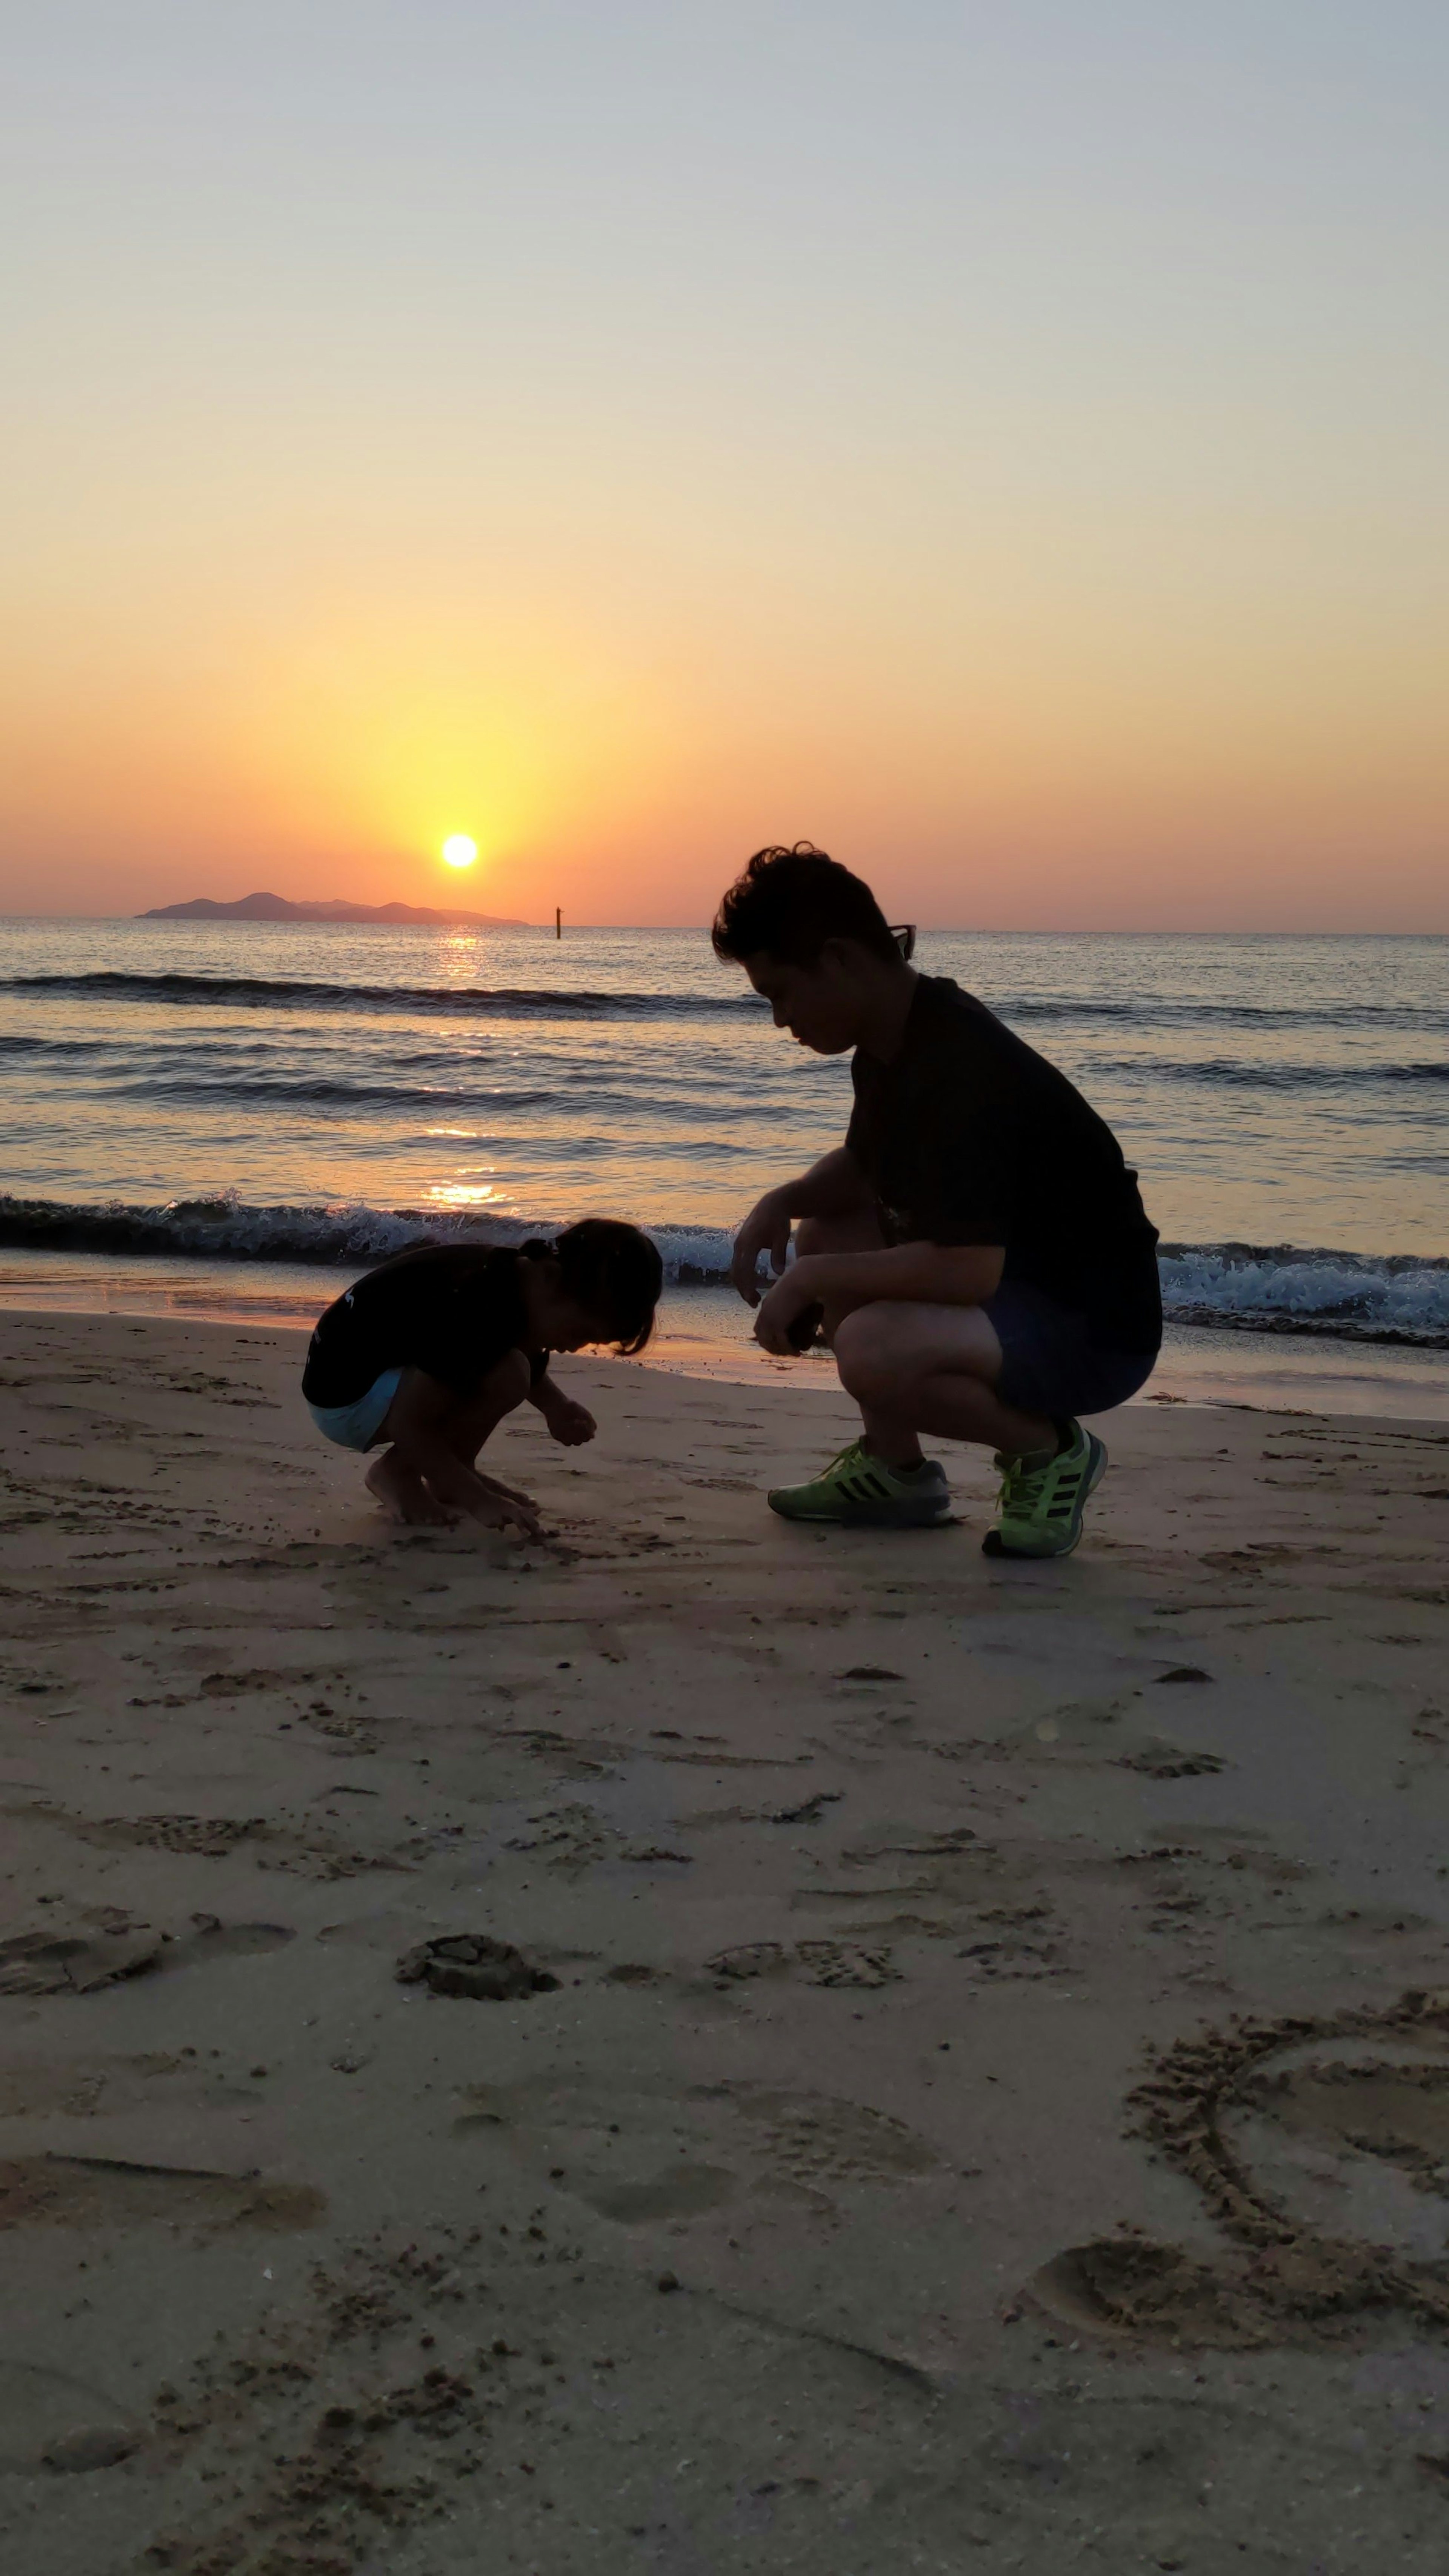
(704,1332)
(802,2205)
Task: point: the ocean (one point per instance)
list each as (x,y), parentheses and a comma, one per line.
(231,1102)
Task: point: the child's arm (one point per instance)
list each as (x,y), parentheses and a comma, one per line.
(570,1422)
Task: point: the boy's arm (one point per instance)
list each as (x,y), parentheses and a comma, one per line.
(835,1186)
(929,1274)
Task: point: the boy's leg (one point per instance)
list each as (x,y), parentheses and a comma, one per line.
(858,1233)
(462,1426)
(914,1368)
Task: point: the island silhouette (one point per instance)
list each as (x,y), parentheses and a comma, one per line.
(277,907)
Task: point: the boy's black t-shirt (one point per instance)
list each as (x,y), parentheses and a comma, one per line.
(453,1310)
(969,1136)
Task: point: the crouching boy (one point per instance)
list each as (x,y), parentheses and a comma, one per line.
(975,1252)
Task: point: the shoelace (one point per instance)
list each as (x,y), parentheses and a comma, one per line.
(1021,1485)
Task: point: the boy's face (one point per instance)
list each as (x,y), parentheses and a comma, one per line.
(820,1005)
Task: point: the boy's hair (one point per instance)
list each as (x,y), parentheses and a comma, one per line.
(613,1272)
(789,902)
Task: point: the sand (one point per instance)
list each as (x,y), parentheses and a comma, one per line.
(905,2062)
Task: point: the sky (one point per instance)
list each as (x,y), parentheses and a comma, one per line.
(1004,445)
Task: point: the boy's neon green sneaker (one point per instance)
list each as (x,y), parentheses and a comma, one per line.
(1040,1506)
(864,1492)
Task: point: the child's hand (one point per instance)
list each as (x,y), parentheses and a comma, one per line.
(570,1423)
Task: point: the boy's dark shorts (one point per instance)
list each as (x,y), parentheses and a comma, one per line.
(1052,1365)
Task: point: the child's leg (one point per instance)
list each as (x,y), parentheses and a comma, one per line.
(501,1393)
(461,1427)
(914,1368)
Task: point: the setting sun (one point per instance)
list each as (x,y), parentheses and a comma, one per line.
(460,852)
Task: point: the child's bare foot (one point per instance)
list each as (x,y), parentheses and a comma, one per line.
(402,1492)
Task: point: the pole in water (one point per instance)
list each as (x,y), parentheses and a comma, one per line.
(558,921)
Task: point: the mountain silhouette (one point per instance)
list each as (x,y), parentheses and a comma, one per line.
(277,907)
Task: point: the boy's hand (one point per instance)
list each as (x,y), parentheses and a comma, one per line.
(570,1423)
(765,1229)
(784,1305)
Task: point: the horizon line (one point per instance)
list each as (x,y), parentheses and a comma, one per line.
(936,930)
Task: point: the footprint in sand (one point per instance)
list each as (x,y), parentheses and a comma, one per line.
(678,2191)
(53,1960)
(749,1959)
(642,2156)
(947,1884)
(300,1847)
(113,2191)
(49,2420)
(821,2138)
(81,2089)
(826,1963)
(848,1963)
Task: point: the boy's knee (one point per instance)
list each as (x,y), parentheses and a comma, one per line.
(867,1354)
(857,1232)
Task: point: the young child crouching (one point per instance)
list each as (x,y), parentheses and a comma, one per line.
(426,1354)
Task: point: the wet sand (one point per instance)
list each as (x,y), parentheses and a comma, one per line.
(973,2093)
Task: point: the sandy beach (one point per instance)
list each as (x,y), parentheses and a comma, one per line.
(972,2089)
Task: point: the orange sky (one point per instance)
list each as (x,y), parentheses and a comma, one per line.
(1010,455)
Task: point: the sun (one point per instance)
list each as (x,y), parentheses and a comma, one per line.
(459,851)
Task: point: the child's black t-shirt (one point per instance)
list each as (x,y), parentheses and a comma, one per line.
(453,1310)
(969,1136)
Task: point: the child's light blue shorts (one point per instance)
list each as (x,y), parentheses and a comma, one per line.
(356,1425)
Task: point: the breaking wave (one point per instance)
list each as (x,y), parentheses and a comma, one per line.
(1253,1287)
